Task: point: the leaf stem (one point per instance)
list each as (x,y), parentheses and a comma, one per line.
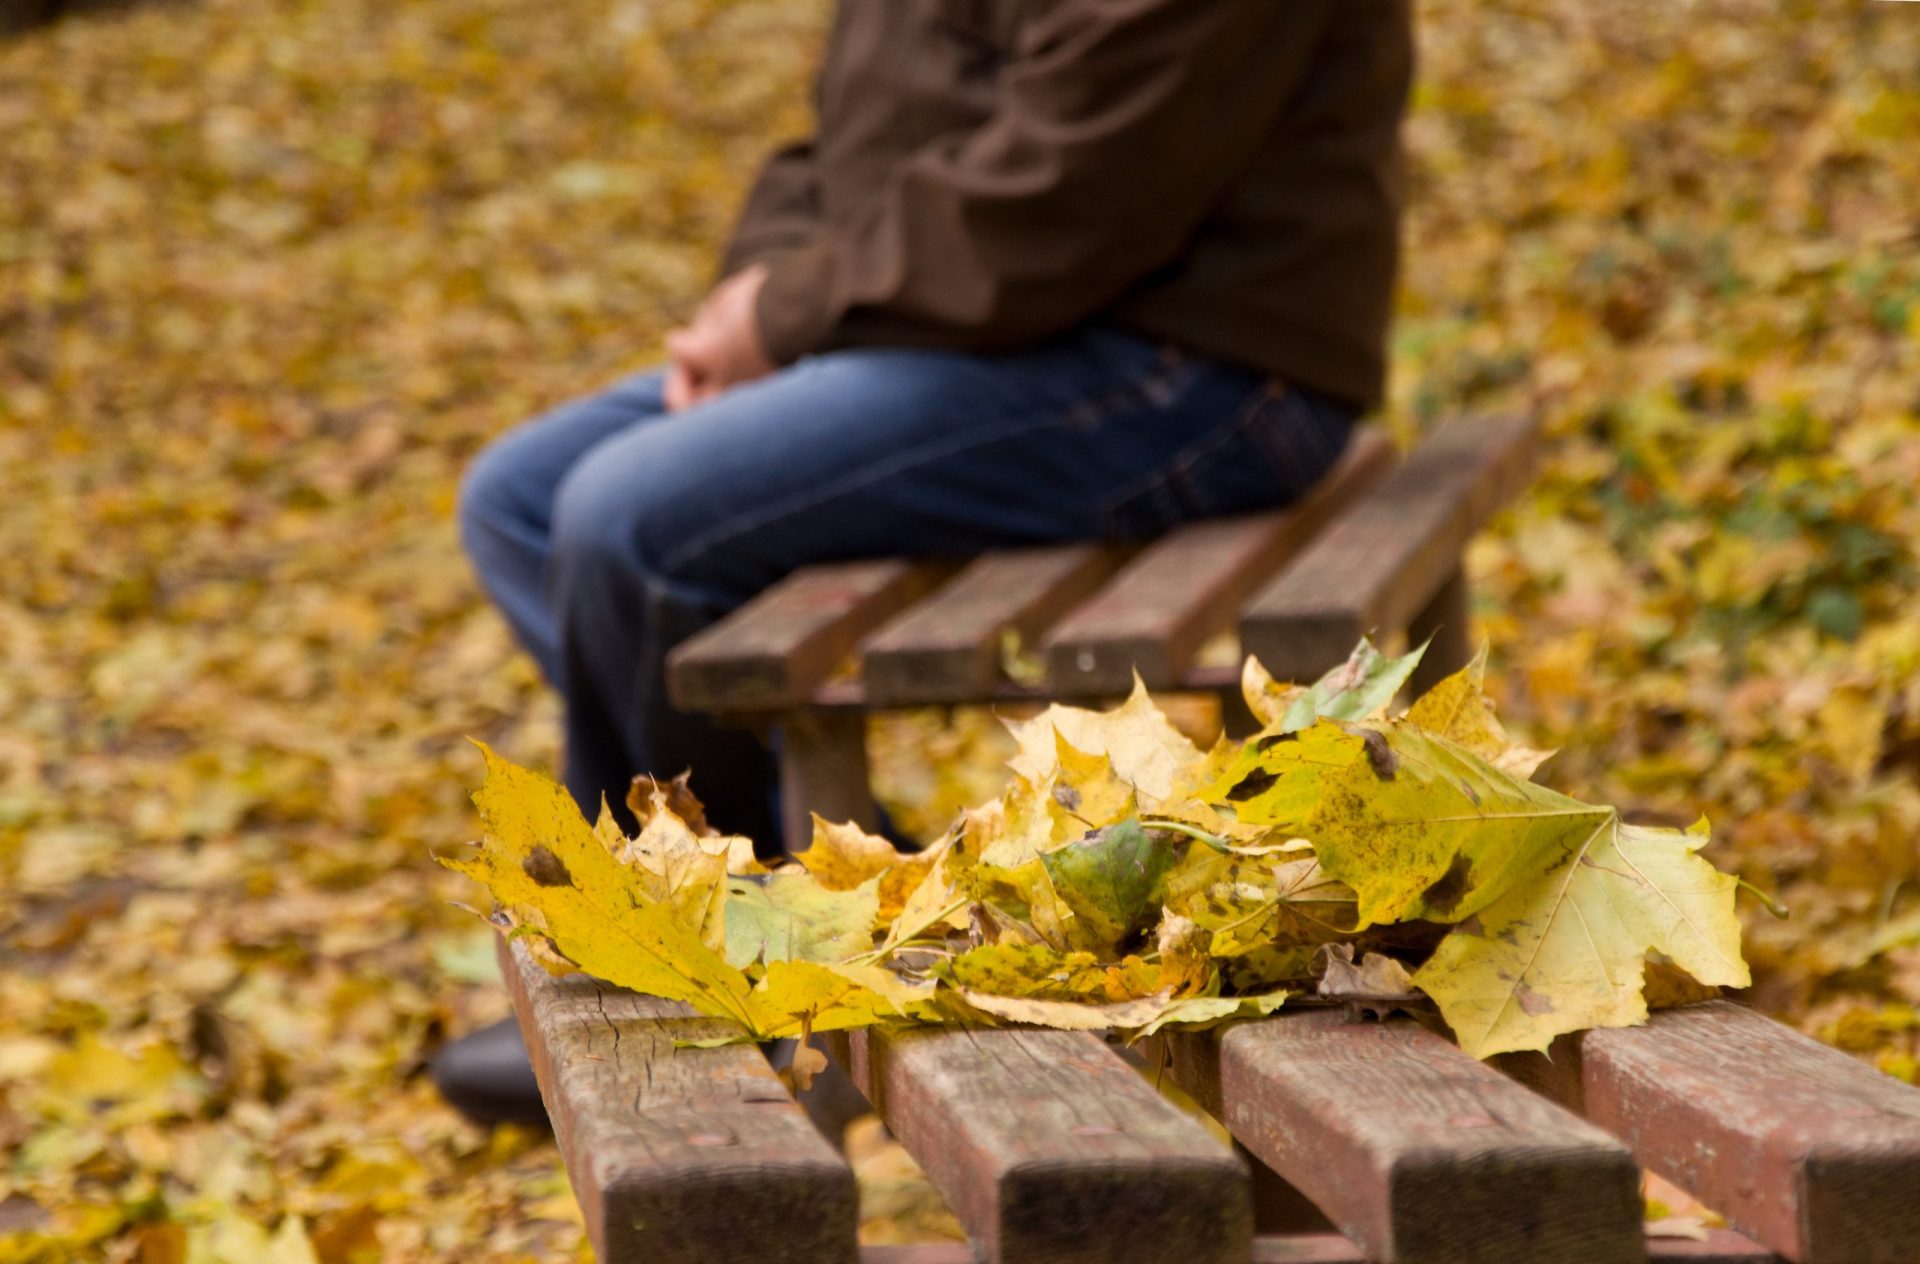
(1767,902)
(1191,831)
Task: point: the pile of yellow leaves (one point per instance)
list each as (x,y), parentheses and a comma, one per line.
(1128,880)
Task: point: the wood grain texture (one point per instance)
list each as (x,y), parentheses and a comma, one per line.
(946,649)
(1184,588)
(1722,1246)
(1386,557)
(1801,1147)
(1051,1149)
(676,1155)
(775,650)
(1416,1151)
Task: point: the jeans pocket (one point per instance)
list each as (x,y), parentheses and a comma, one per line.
(1271,454)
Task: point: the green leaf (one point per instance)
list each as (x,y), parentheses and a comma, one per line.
(1359,689)
(1108,879)
(1457,709)
(791,917)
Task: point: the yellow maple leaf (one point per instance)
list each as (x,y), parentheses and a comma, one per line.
(676,866)
(1565,950)
(1420,828)
(937,904)
(830,996)
(1197,1013)
(1457,709)
(1145,750)
(1069,1015)
(540,854)
(1037,972)
(844,856)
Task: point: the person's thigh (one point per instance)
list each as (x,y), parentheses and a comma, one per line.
(883,452)
(507,500)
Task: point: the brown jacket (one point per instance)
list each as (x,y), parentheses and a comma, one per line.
(1221,174)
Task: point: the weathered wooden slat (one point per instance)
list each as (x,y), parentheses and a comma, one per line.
(676,1154)
(1416,1151)
(1385,557)
(1722,1246)
(774,651)
(919,1253)
(947,648)
(1306,1248)
(1183,589)
(1799,1146)
(1050,1148)
(843,694)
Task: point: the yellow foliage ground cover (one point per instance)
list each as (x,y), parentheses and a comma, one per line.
(271,272)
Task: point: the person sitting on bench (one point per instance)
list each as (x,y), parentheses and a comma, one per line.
(1050,270)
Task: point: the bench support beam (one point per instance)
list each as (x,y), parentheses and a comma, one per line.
(823,768)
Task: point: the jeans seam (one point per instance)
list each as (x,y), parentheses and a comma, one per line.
(1087,410)
(1182,461)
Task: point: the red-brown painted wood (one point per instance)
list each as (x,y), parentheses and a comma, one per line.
(1386,556)
(947,648)
(677,1155)
(1416,1151)
(778,648)
(1050,1148)
(1721,1246)
(1801,1147)
(1181,590)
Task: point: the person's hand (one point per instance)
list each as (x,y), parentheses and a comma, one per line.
(721,347)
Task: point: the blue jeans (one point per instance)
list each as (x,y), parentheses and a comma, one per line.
(609,529)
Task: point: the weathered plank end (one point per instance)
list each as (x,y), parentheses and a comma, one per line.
(676,1154)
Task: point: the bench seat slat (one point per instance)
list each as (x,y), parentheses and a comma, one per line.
(1385,557)
(1415,1150)
(677,1154)
(1049,1147)
(1182,589)
(947,648)
(774,651)
(1801,1147)
(1722,1246)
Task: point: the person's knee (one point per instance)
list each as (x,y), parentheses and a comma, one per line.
(595,532)
(488,497)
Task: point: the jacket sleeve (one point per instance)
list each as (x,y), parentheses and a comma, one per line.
(782,210)
(1120,124)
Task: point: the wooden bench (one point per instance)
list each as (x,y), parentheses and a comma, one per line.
(1354,1142)
(1375,549)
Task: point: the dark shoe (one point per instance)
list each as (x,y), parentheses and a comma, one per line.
(833,1102)
(487,1076)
